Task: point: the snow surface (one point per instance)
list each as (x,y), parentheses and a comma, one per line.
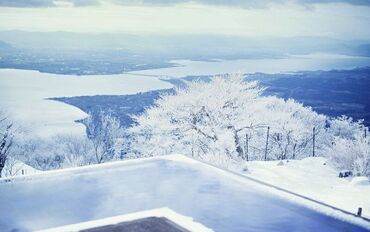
(23,96)
(184,222)
(311,178)
(218,199)
(292,63)
(360,180)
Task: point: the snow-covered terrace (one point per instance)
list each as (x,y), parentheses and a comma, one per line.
(218,199)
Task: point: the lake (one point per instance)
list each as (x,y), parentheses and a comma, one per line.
(292,63)
(24,93)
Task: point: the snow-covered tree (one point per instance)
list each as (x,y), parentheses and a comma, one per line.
(351,154)
(102,144)
(203,120)
(350,145)
(225,119)
(291,128)
(45,156)
(56,152)
(6,139)
(346,128)
(106,134)
(76,150)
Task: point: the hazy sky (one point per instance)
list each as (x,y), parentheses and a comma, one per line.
(332,18)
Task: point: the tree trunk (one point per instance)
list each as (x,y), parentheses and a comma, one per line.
(238,147)
(267,141)
(2,163)
(313,142)
(365,133)
(286,147)
(1,169)
(246,146)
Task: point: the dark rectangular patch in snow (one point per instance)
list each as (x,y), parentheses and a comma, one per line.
(149,224)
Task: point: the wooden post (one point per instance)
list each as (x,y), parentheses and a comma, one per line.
(313,142)
(267,142)
(359,212)
(295,145)
(246,146)
(365,133)
(22,172)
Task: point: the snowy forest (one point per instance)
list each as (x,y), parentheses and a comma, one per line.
(225,121)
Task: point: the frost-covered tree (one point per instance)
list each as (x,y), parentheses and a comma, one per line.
(225,119)
(203,120)
(102,144)
(45,155)
(56,152)
(346,128)
(6,140)
(16,158)
(350,145)
(291,128)
(351,154)
(105,133)
(76,150)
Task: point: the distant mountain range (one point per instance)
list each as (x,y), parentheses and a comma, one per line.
(109,53)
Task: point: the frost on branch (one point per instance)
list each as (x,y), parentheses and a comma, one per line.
(350,148)
(6,140)
(105,134)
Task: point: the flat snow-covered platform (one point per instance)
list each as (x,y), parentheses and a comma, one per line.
(215,198)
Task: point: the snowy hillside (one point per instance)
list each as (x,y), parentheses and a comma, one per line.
(315,178)
(218,199)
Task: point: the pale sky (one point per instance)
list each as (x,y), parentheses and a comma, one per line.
(287,18)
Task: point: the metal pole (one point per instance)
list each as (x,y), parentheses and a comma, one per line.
(365,133)
(246,146)
(313,142)
(267,141)
(359,211)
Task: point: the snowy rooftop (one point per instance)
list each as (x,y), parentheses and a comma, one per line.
(217,199)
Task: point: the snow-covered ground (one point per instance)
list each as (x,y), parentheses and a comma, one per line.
(292,63)
(15,167)
(314,177)
(23,96)
(218,199)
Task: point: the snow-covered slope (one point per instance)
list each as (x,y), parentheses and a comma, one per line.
(218,199)
(314,177)
(23,95)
